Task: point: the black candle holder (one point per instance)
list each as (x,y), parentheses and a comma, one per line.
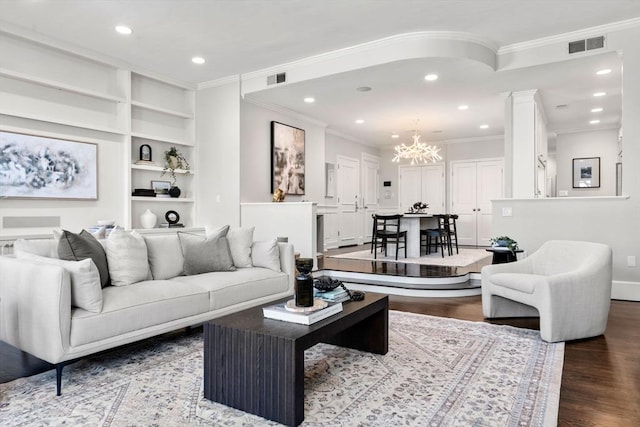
(304,282)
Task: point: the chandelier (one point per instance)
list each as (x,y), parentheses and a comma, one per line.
(418,152)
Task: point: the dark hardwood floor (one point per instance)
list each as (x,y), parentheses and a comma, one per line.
(600,378)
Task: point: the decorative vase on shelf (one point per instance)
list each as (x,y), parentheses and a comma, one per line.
(148,219)
(304,283)
(174,191)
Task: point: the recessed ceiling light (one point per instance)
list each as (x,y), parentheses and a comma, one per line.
(594,122)
(309,100)
(363,89)
(431,77)
(596,110)
(599,94)
(484,126)
(395,136)
(198,60)
(123,29)
(463,107)
(359,121)
(603,72)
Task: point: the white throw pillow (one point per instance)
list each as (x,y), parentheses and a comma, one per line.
(165,256)
(86,292)
(42,247)
(127,258)
(266,254)
(240,241)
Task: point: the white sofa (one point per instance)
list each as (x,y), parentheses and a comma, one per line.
(565,283)
(37,315)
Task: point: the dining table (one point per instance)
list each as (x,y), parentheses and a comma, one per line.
(413,223)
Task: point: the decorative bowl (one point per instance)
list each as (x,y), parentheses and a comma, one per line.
(325,284)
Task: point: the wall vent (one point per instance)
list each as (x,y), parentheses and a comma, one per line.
(588,44)
(276,79)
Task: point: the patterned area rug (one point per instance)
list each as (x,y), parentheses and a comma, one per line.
(461,259)
(438,372)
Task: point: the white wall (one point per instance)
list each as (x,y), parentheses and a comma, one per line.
(587,144)
(255,154)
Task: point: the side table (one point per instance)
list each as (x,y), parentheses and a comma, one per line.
(501,256)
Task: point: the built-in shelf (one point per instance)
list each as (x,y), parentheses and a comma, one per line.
(57,85)
(162,199)
(161,110)
(159,169)
(62,122)
(161,139)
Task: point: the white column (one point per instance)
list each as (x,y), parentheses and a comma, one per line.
(522,145)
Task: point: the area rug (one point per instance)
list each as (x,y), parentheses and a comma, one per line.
(463,258)
(438,372)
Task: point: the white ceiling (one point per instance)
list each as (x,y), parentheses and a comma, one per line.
(239,36)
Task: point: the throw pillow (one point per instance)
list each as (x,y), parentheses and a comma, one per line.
(205,254)
(127,257)
(266,254)
(240,241)
(76,247)
(42,247)
(86,292)
(165,256)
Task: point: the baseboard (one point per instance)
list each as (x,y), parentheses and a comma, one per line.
(629,291)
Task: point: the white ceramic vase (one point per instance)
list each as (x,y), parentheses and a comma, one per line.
(148,219)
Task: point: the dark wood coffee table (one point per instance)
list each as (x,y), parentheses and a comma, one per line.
(257,365)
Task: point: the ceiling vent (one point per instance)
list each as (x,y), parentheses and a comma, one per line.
(588,44)
(276,79)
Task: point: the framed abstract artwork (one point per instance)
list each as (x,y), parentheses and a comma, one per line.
(36,167)
(287,158)
(586,172)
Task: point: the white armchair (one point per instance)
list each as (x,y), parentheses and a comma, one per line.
(565,283)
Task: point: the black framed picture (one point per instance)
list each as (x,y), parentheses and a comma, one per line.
(145,152)
(586,172)
(287,158)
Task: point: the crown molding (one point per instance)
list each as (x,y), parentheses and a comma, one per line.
(286,112)
(615,127)
(363,47)
(219,82)
(570,36)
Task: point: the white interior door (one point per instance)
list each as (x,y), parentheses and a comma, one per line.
(409,187)
(348,188)
(433,188)
(370,193)
(463,200)
(490,186)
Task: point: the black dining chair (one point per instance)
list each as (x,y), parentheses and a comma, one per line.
(386,230)
(453,232)
(440,236)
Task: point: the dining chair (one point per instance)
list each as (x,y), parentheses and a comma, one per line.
(386,230)
(439,236)
(453,232)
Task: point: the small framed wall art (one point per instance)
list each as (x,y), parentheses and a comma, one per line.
(37,167)
(586,172)
(145,153)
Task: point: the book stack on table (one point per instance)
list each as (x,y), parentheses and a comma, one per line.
(335,295)
(279,312)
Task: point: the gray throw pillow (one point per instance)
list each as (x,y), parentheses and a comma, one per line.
(76,247)
(205,254)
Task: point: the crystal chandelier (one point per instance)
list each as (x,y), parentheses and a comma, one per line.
(418,152)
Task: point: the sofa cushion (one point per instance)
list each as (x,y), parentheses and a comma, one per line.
(518,281)
(43,247)
(138,306)
(165,256)
(266,254)
(206,254)
(229,288)
(127,257)
(240,241)
(86,291)
(76,247)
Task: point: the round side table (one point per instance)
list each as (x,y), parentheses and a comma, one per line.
(501,256)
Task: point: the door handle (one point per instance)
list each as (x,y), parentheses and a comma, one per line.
(474,209)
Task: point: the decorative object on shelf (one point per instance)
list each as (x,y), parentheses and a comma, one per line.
(172,217)
(161,188)
(47,168)
(586,172)
(304,282)
(174,191)
(278,195)
(144,192)
(174,160)
(504,242)
(148,219)
(327,285)
(418,152)
(418,207)
(287,159)
(145,153)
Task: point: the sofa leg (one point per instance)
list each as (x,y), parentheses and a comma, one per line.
(59,367)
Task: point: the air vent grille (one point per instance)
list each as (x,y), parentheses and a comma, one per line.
(588,44)
(276,79)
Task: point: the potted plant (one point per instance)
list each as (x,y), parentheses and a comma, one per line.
(418,207)
(504,242)
(174,160)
